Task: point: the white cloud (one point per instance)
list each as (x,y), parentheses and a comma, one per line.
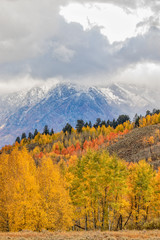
(116,23)
(19,82)
(62,53)
(141,73)
(25,27)
(36,41)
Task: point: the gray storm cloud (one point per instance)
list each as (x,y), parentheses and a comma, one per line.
(36,40)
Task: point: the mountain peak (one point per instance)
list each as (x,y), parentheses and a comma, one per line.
(55,103)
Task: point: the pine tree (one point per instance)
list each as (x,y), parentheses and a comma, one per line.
(30,136)
(23,136)
(35,133)
(51,132)
(98,123)
(79,125)
(136,120)
(18,140)
(67,128)
(122,118)
(46,130)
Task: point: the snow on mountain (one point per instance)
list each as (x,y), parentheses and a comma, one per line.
(130,99)
(110,96)
(56,104)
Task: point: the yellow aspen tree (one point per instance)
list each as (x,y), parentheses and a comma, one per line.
(4,218)
(54,197)
(98,191)
(142,192)
(92,132)
(158,118)
(80,189)
(21,189)
(103,130)
(109,129)
(127,125)
(142,122)
(154,119)
(115,190)
(148,120)
(157,191)
(119,128)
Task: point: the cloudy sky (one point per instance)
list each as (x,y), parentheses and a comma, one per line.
(94,42)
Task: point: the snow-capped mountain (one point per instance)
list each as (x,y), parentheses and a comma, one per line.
(57,104)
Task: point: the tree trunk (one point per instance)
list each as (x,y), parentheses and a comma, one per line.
(86,221)
(104,207)
(127,219)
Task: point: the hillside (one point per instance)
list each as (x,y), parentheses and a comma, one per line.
(134,147)
(126,141)
(68,180)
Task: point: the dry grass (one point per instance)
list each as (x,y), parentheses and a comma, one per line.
(131,147)
(91,235)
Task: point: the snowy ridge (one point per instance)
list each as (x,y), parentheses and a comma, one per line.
(111,98)
(56,103)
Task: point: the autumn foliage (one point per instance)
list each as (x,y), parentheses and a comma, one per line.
(68,181)
(92,191)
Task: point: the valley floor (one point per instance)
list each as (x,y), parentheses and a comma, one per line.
(91,235)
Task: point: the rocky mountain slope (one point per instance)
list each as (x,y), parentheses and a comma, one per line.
(56,104)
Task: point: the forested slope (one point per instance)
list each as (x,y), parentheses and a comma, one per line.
(69,181)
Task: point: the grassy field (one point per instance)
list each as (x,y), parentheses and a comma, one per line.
(91,235)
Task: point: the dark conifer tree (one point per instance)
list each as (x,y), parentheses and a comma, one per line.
(23,136)
(90,124)
(35,133)
(30,135)
(103,123)
(114,123)
(67,128)
(155,111)
(51,132)
(148,113)
(18,140)
(136,120)
(86,124)
(122,118)
(98,123)
(79,125)
(108,123)
(46,130)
